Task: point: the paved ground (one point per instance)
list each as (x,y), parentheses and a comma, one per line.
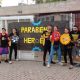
(31,70)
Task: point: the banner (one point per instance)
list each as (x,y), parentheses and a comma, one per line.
(30,35)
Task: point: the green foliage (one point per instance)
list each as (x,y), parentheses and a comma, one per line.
(46,1)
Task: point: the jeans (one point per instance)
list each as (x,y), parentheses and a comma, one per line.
(51,56)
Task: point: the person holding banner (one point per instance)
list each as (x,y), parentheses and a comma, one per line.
(55,46)
(47,43)
(14,38)
(65,39)
(4,45)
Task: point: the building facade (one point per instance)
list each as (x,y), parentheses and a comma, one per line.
(65,11)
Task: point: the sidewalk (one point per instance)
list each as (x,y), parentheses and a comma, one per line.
(32,70)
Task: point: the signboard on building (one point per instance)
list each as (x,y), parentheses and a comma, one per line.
(30,35)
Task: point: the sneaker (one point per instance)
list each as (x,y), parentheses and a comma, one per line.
(48,65)
(71,67)
(6,61)
(44,64)
(17,59)
(52,62)
(60,63)
(64,64)
(10,62)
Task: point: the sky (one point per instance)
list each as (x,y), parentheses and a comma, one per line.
(15,2)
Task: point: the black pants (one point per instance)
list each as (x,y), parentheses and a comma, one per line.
(46,49)
(13,47)
(69,52)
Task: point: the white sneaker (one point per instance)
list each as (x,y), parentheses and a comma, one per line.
(17,59)
(48,65)
(71,67)
(60,63)
(10,62)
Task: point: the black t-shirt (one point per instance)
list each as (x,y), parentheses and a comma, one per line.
(47,35)
(74,35)
(4,40)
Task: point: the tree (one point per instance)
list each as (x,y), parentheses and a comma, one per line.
(46,1)
(0,2)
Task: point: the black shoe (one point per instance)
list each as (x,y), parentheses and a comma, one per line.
(0,61)
(74,64)
(44,64)
(52,62)
(6,61)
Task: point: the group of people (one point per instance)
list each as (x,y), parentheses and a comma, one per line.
(57,43)
(8,43)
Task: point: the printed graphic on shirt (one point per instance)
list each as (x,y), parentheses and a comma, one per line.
(15,39)
(75,36)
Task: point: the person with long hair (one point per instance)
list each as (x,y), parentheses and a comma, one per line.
(47,43)
(4,45)
(55,46)
(14,38)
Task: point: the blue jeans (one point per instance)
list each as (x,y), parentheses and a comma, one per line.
(51,56)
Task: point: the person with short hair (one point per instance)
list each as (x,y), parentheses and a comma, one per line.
(75,36)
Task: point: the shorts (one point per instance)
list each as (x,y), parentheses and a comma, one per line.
(75,51)
(3,50)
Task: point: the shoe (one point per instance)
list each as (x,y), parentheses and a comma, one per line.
(44,64)
(17,59)
(48,65)
(60,63)
(52,62)
(10,62)
(71,67)
(64,64)
(6,61)
(0,61)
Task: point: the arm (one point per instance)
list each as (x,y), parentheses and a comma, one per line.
(71,37)
(0,35)
(9,39)
(43,34)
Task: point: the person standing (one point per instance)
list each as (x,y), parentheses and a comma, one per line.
(14,38)
(55,46)
(47,43)
(4,45)
(75,35)
(67,47)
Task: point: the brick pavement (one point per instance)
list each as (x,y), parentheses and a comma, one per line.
(32,70)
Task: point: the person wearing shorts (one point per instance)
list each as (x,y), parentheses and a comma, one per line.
(4,44)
